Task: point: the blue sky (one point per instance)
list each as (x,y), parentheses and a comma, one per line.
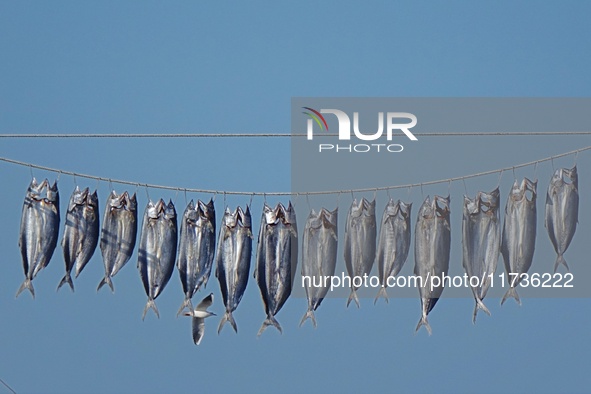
(193,67)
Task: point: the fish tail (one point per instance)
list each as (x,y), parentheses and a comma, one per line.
(560,260)
(186,304)
(66,279)
(106,281)
(382,293)
(309,315)
(479,305)
(270,321)
(151,305)
(27,284)
(424,322)
(353,296)
(228,318)
(511,293)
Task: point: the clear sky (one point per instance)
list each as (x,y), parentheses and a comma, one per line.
(145,66)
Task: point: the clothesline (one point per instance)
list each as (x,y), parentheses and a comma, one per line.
(310,193)
(280,135)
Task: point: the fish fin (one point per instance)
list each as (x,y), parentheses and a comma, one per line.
(66,279)
(186,304)
(309,315)
(424,322)
(27,284)
(106,281)
(382,293)
(270,321)
(353,296)
(228,318)
(150,305)
(511,293)
(479,305)
(560,260)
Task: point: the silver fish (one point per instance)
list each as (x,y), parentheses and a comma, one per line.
(360,242)
(319,257)
(481,240)
(519,234)
(198,318)
(277,257)
(81,232)
(118,234)
(394,242)
(157,250)
(562,211)
(432,247)
(39,230)
(196,248)
(233,260)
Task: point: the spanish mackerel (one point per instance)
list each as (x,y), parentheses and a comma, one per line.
(319,257)
(562,211)
(81,232)
(481,241)
(277,257)
(233,260)
(118,234)
(39,230)
(157,250)
(394,243)
(519,234)
(432,247)
(360,242)
(196,248)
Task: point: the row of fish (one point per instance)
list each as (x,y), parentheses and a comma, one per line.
(277,249)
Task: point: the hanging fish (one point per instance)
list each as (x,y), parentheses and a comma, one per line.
(519,234)
(157,250)
(432,247)
(81,232)
(39,230)
(360,242)
(319,257)
(481,232)
(394,242)
(233,260)
(562,211)
(277,257)
(118,234)
(198,318)
(196,248)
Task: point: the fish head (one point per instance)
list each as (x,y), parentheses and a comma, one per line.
(168,210)
(230,218)
(131,202)
(191,215)
(392,207)
(92,201)
(52,194)
(441,207)
(426,210)
(529,189)
(570,176)
(489,203)
(329,219)
(153,210)
(369,207)
(471,205)
(206,211)
(244,217)
(269,215)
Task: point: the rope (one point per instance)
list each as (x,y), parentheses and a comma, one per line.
(264,194)
(7,386)
(283,135)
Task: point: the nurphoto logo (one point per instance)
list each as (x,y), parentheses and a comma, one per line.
(393,125)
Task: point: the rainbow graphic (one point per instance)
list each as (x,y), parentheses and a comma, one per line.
(317,116)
